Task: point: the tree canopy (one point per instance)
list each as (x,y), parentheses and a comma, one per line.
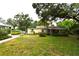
(50,11)
(12,22)
(24,21)
(68,24)
(21,20)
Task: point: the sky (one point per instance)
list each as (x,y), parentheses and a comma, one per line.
(9,8)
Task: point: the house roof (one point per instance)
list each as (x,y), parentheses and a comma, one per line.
(58,28)
(5,25)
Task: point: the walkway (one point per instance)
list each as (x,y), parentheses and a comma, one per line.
(5,40)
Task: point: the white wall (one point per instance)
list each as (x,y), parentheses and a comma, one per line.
(35,30)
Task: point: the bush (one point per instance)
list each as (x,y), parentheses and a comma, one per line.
(76,32)
(42,34)
(3,34)
(15,32)
(8,31)
(4,37)
(60,34)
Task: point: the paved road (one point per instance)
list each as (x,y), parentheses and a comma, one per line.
(5,40)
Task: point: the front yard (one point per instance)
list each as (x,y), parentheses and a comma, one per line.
(33,45)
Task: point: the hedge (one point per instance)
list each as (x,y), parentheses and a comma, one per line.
(3,34)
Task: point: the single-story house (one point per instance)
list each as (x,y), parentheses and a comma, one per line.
(4,26)
(54,30)
(57,31)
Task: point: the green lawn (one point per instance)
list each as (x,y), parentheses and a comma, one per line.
(33,45)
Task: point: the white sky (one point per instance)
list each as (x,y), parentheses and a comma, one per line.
(9,8)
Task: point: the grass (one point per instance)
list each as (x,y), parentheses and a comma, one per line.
(33,45)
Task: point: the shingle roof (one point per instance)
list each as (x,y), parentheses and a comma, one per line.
(5,25)
(57,28)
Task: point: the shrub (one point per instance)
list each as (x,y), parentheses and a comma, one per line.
(42,34)
(15,32)
(4,37)
(60,34)
(3,34)
(76,32)
(8,31)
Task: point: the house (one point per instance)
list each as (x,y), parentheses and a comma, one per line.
(57,31)
(51,30)
(4,25)
(38,29)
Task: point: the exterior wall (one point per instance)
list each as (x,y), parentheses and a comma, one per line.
(37,30)
(29,31)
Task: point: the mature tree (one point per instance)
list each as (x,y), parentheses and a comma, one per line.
(50,11)
(41,22)
(12,22)
(34,24)
(23,21)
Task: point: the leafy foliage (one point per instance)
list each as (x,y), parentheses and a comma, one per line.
(50,11)
(68,24)
(12,22)
(23,21)
(33,24)
(42,34)
(3,34)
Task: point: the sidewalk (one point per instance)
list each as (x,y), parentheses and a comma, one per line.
(5,40)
